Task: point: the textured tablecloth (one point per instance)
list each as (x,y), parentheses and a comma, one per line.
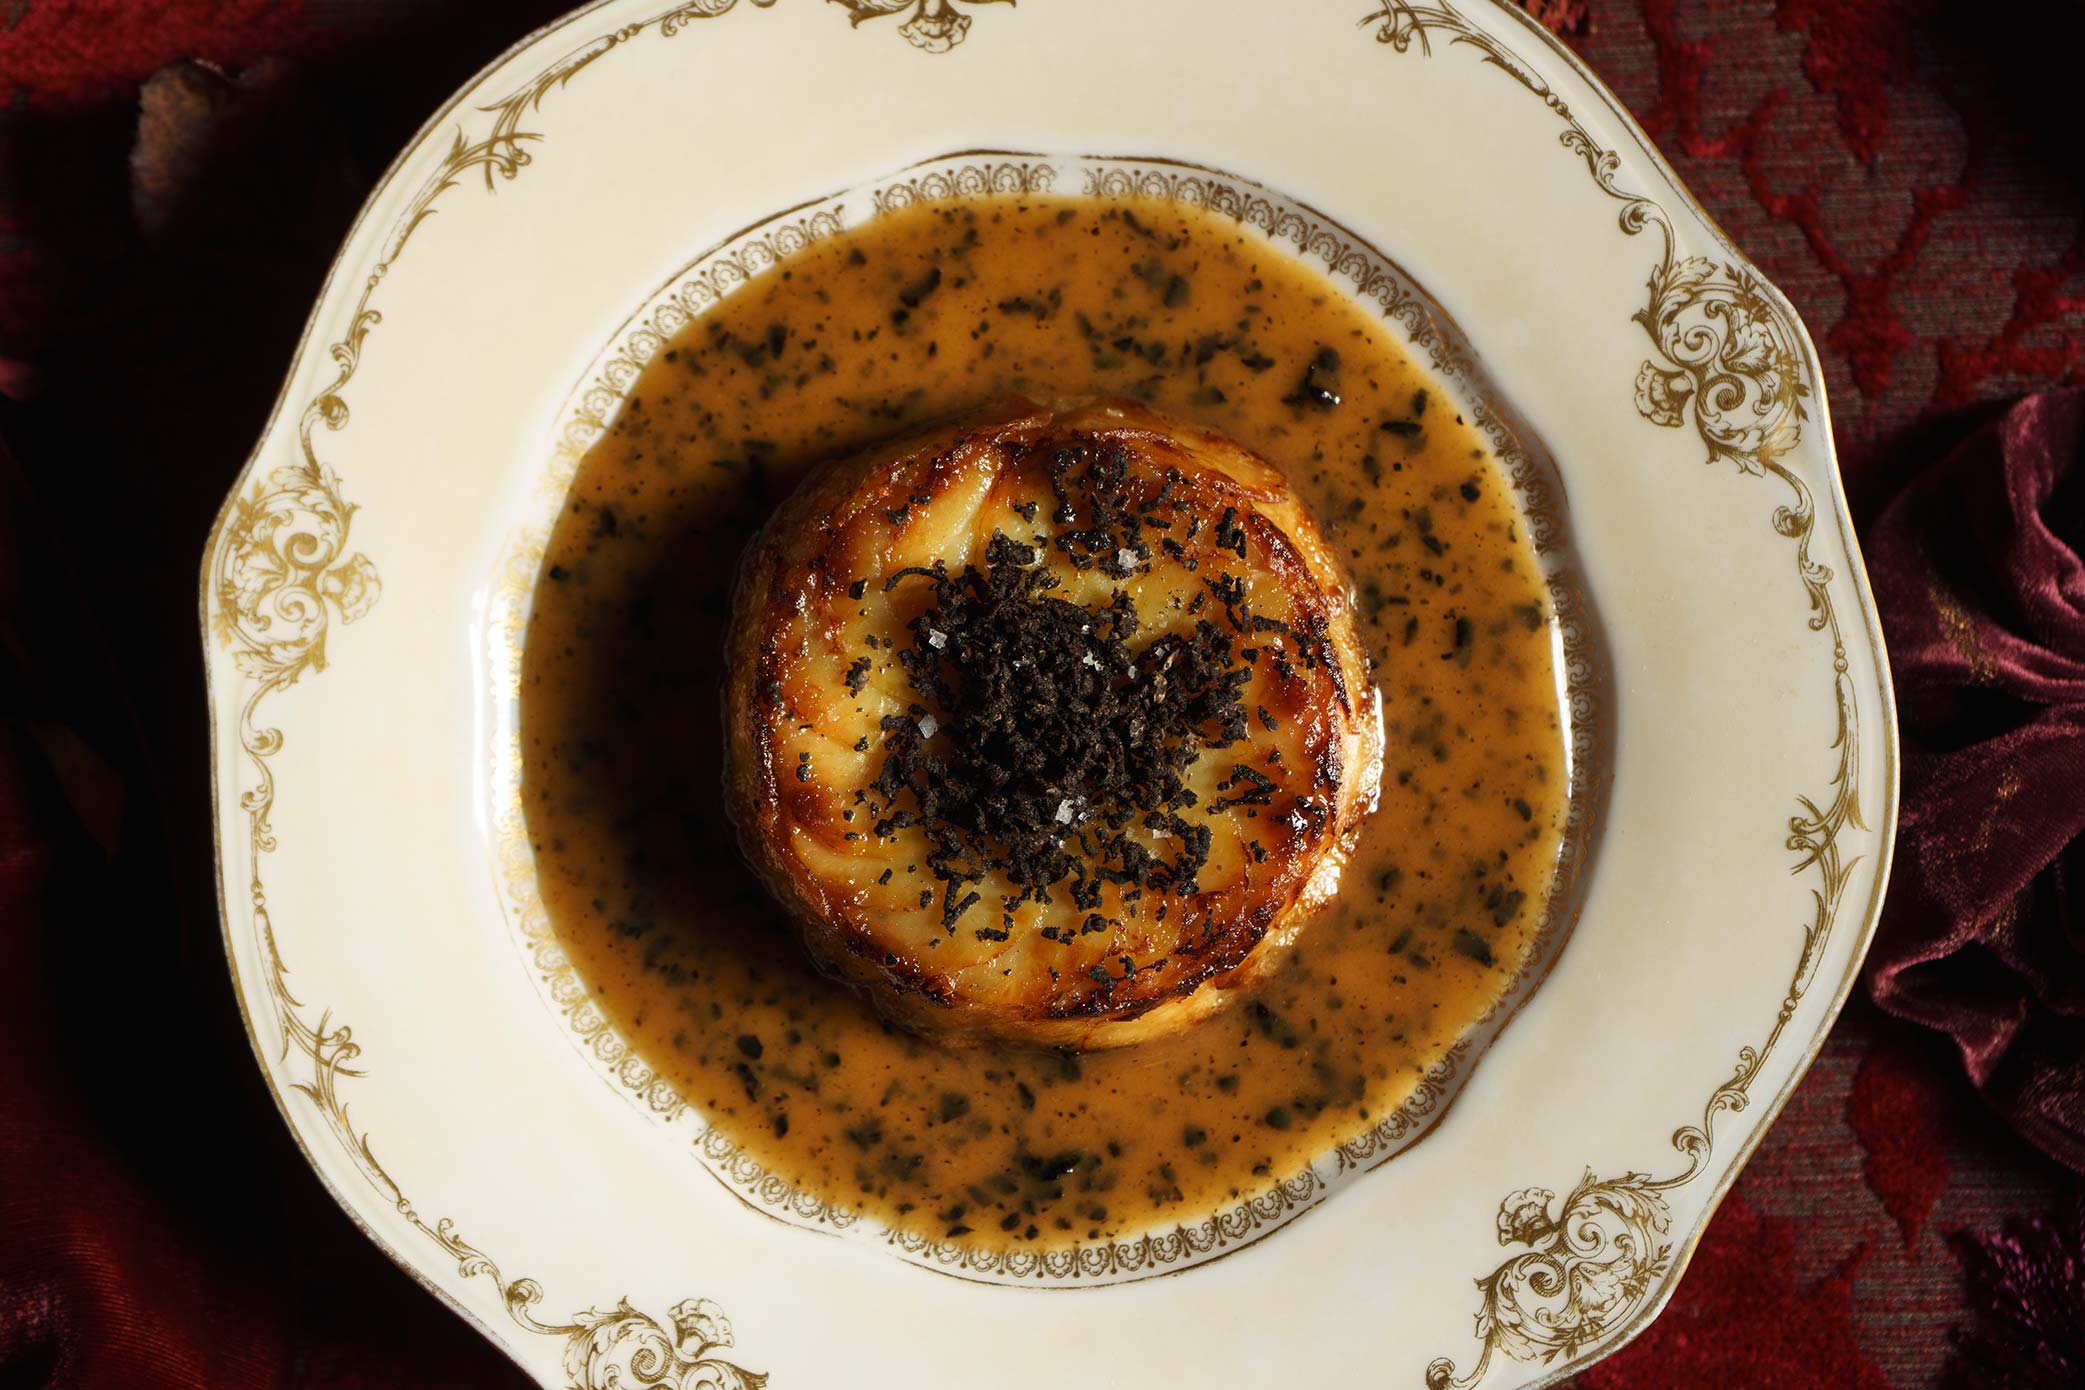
(1909,173)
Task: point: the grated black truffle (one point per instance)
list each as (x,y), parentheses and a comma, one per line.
(1053,739)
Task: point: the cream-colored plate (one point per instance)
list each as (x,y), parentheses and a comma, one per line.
(366,584)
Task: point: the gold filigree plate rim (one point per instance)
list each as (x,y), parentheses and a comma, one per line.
(357,587)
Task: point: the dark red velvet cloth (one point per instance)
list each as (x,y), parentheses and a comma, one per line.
(174,177)
(1983,602)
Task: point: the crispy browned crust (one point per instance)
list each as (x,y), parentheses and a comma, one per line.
(941,493)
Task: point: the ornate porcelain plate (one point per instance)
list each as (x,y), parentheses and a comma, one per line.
(1451,167)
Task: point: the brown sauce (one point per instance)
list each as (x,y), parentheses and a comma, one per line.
(921,314)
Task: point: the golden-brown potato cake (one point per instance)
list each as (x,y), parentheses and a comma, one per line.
(1050,725)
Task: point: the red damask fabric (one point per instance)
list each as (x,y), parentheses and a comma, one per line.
(174,177)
